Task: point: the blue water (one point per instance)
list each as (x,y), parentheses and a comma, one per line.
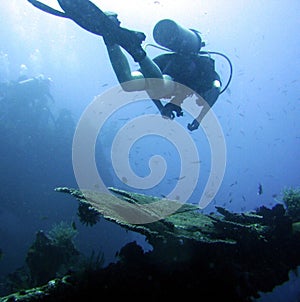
(258,115)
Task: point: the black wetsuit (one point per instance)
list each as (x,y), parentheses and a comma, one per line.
(194,71)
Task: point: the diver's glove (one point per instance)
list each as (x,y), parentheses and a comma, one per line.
(193,126)
(167,111)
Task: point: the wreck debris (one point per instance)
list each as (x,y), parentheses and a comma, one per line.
(230,252)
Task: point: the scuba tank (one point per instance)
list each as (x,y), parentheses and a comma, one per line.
(171,35)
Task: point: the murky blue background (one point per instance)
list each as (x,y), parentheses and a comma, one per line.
(259,112)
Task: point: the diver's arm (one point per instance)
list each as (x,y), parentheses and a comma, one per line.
(194,125)
(203,112)
(207,101)
(47,8)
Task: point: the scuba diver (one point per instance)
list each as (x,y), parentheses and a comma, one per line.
(184,64)
(35,88)
(25,99)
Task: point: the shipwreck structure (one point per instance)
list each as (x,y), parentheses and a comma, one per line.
(219,256)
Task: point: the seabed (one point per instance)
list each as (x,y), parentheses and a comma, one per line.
(219,256)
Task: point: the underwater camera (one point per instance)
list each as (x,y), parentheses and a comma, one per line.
(174,37)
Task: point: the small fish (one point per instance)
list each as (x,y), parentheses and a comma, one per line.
(260,189)
(44,217)
(74,226)
(179,178)
(196,162)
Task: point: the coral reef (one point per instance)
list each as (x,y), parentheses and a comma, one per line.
(62,234)
(221,256)
(51,255)
(87,215)
(291,199)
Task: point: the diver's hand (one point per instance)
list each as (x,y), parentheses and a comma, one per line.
(167,111)
(193,126)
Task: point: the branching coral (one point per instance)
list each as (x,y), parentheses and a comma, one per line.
(62,233)
(291,199)
(87,215)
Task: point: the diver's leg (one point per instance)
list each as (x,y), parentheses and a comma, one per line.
(149,69)
(122,69)
(119,63)
(130,41)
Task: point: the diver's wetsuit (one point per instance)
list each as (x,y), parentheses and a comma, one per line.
(194,71)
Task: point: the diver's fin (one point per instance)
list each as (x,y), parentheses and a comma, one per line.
(47,9)
(90,17)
